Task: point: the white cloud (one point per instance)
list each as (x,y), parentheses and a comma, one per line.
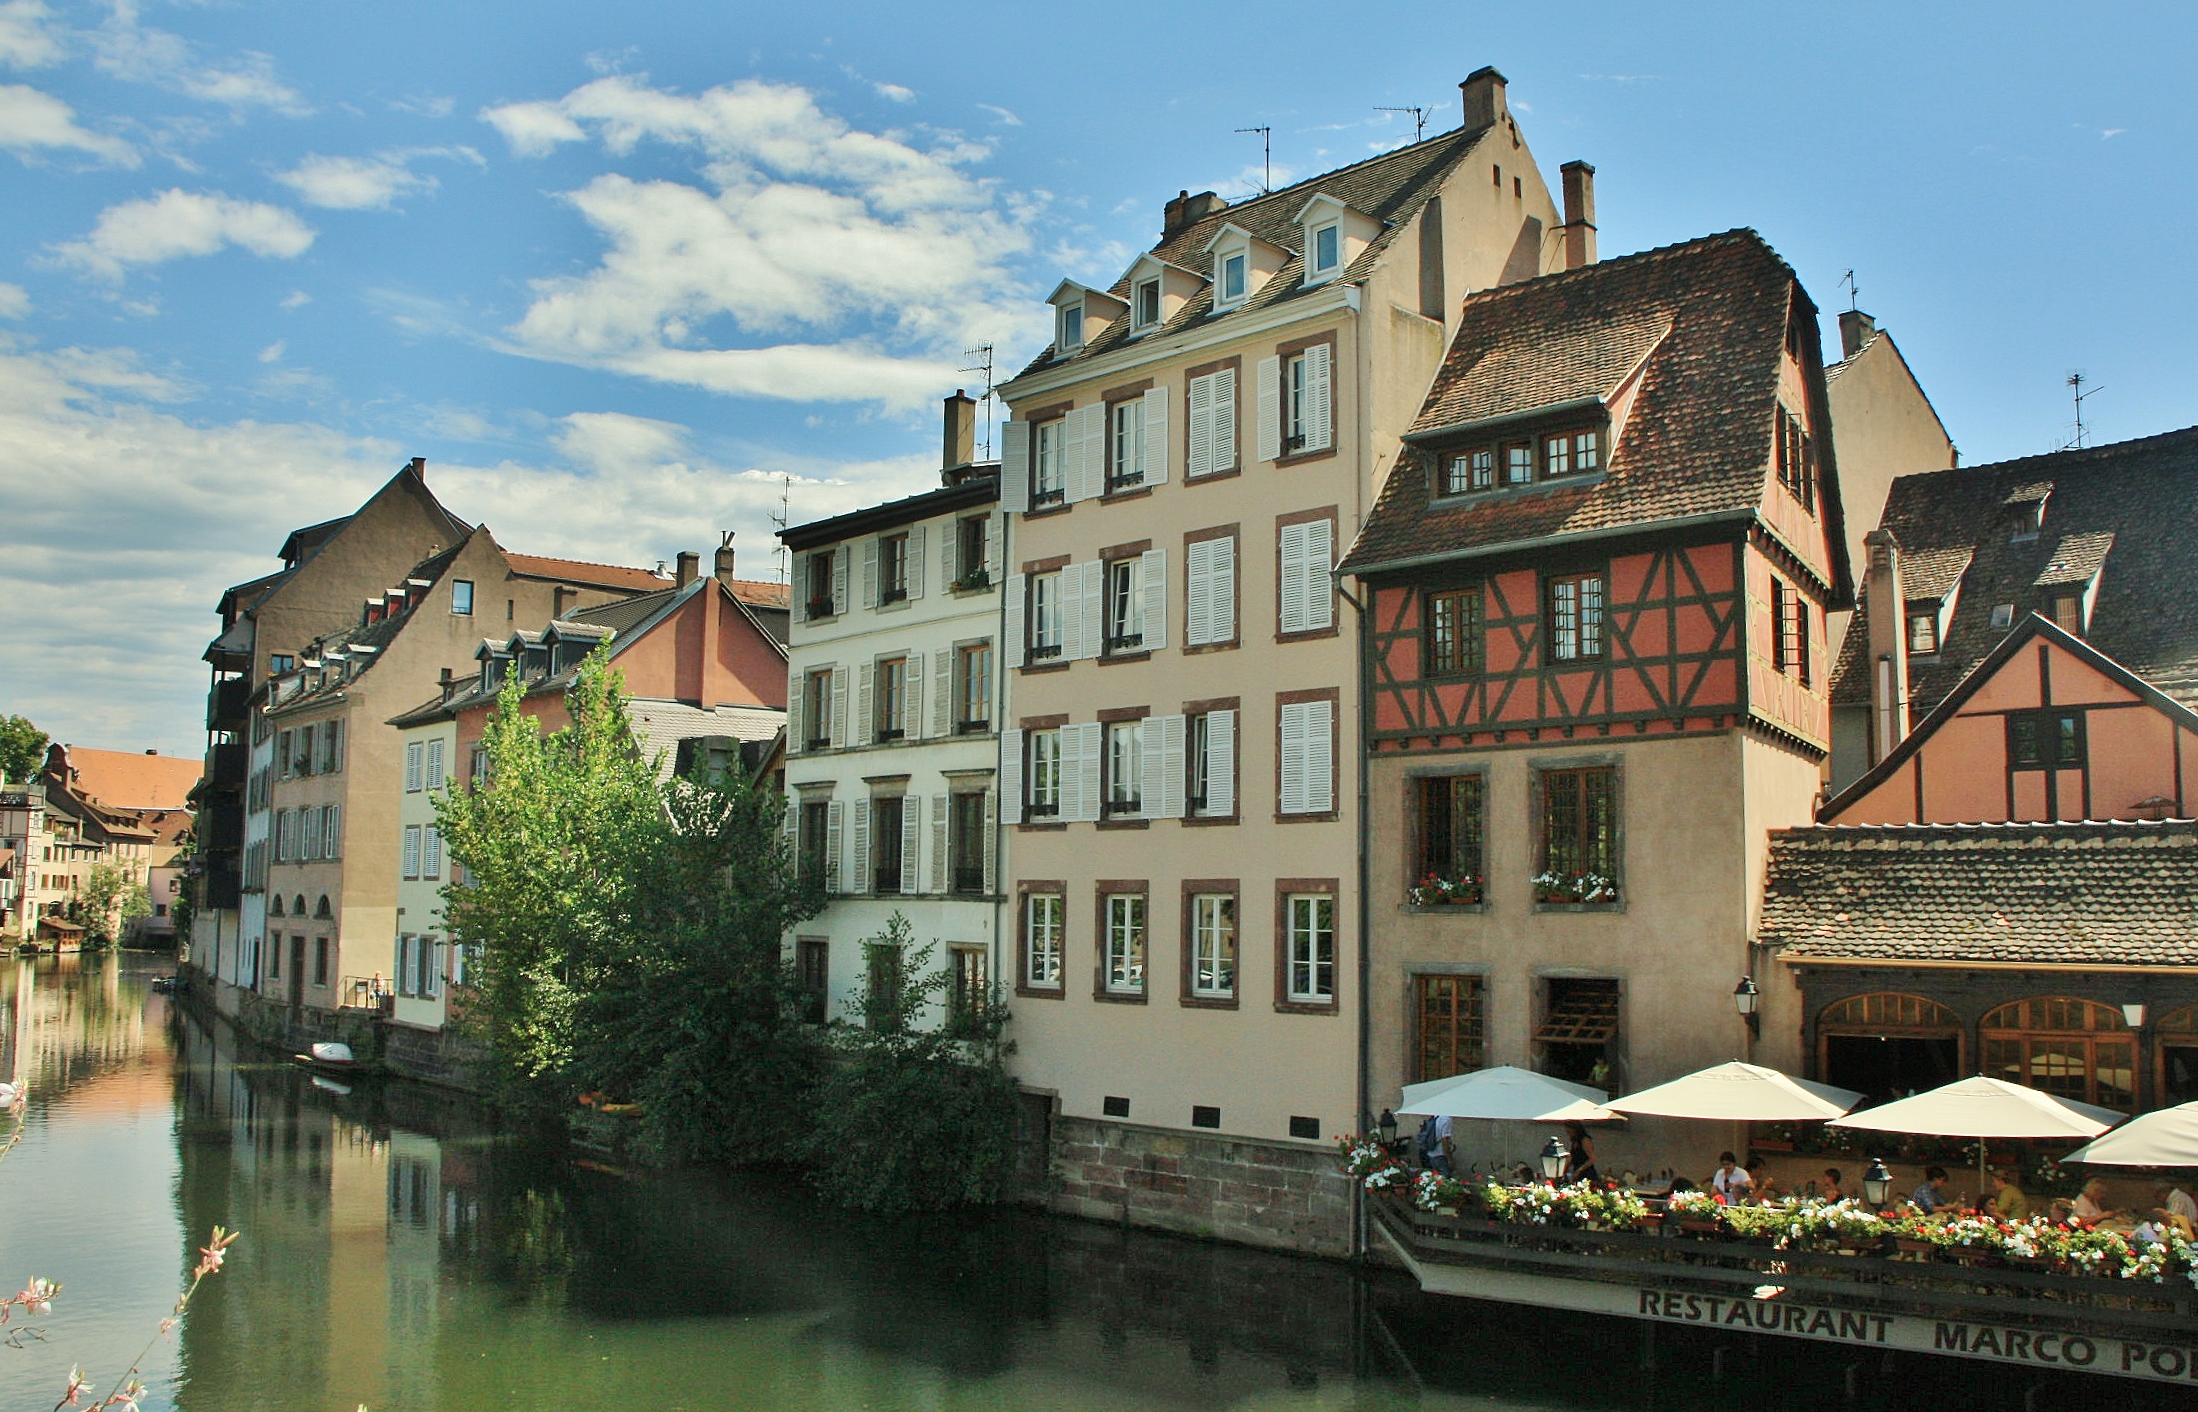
(25,40)
(895,92)
(365,183)
(177,223)
(295,299)
(30,120)
(885,259)
(1002,116)
(425,105)
(153,56)
(273,352)
(14,303)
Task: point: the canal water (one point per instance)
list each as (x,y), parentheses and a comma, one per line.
(398,1253)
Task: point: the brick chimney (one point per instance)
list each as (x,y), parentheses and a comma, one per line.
(1579,227)
(690,567)
(1484,98)
(1855,329)
(1886,602)
(960,445)
(419,467)
(723,567)
(447,684)
(1188,210)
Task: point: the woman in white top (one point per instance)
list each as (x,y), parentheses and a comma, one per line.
(1731,1181)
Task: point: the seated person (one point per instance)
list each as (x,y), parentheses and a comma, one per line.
(2181,1203)
(1932,1195)
(2090,1206)
(1731,1182)
(1763,1187)
(1829,1189)
(2163,1215)
(2009,1201)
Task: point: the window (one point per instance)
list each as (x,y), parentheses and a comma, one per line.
(415,762)
(1125,958)
(2068,612)
(1575,617)
(1923,634)
(1045,775)
(893,568)
(1235,270)
(1452,1032)
(411,851)
(811,831)
(973,689)
(1789,630)
(892,707)
(1198,747)
(1518,464)
(331,747)
(274,952)
(461,597)
(1124,764)
(1148,303)
(820,586)
(1470,471)
(813,976)
(436,775)
(1454,632)
(1125,605)
(969,553)
(966,842)
(1307,757)
(972,991)
(1212,423)
(280,662)
(1312,948)
(1796,460)
(320,960)
(1069,329)
(1213,945)
(1307,554)
(2066,1047)
(1042,913)
(1049,466)
(1048,616)
(816,710)
(2045,740)
(332,831)
(1294,390)
(1569,453)
(882,994)
(1327,249)
(1450,827)
(1579,836)
(312,821)
(1126,444)
(1577,1038)
(431,853)
(886,843)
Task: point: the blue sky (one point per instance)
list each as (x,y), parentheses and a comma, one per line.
(615,269)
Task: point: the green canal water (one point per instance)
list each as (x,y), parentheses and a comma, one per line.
(398,1252)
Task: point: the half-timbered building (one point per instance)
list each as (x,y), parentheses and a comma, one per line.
(1594,661)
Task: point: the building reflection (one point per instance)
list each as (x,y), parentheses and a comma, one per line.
(66,1022)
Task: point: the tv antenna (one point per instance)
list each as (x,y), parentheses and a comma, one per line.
(1419,119)
(780,518)
(980,361)
(2076,389)
(1267,142)
(1854,291)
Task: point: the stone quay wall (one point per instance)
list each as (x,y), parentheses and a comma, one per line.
(431,1056)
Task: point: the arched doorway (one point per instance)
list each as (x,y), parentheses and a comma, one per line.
(2175,1038)
(1888,1044)
(2069,1048)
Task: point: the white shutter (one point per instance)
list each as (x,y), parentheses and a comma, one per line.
(1088,466)
(912,696)
(866,718)
(412,850)
(1154,570)
(1308,757)
(911,844)
(1150,768)
(797,694)
(412,767)
(1223,589)
(1198,593)
(837,727)
(1068,589)
(1220,763)
(1068,767)
(1011,655)
(858,872)
(404,967)
(1319,404)
(1156,435)
(1169,801)
(950,543)
(1015,467)
(1268,437)
(1293,608)
(789,826)
(1091,600)
(431,862)
(435,774)
(992,843)
(942,692)
(995,532)
(1011,775)
(1320,560)
(336,746)
(938,843)
(841,557)
(870,573)
(913,556)
(334,840)
(1223,420)
(1088,761)
(1201,459)
(834,819)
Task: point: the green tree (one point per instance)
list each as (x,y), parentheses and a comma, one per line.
(22,749)
(103,906)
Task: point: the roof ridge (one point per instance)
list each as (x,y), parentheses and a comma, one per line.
(1738,235)
(1981,828)
(1453,135)
(2072,457)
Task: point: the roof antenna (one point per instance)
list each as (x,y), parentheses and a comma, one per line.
(1854,291)
(1419,119)
(2076,386)
(980,361)
(785,493)
(1267,139)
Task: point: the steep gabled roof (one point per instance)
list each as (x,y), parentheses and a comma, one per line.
(2127,511)
(363,643)
(125,780)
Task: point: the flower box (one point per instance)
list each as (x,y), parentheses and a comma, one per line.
(1434,891)
(1579,889)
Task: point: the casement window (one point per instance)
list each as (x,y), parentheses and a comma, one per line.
(332,748)
(415,764)
(1147,304)
(966,836)
(1213,945)
(1209,588)
(816,709)
(1049,463)
(1789,631)
(1311,948)
(1469,471)
(887,842)
(1069,326)
(1308,757)
(2068,612)
(274,954)
(285,765)
(1449,1014)
(1043,913)
(1575,617)
(1125,606)
(461,597)
(332,831)
(1923,634)
(1048,616)
(1232,278)
(972,988)
(411,852)
(1796,460)
(1307,554)
(1304,393)
(1126,445)
(436,776)
(823,600)
(1518,463)
(1209,783)
(280,662)
(813,977)
(892,568)
(1044,801)
(882,994)
(1213,423)
(971,549)
(1326,249)
(320,961)
(1125,768)
(312,821)
(431,852)
(1579,827)
(892,698)
(2045,740)
(1125,943)
(812,822)
(304,745)
(1454,640)
(972,689)
(1451,830)
(1571,453)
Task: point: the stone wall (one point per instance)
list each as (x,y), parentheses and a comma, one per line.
(1282,1196)
(433,1056)
(430,1056)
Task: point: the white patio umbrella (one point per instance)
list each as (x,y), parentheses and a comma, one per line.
(1981,1107)
(2167,1138)
(1506,1093)
(1739,1093)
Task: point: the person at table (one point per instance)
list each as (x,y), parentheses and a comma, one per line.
(1829,1189)
(2009,1201)
(1932,1195)
(1579,1156)
(1731,1182)
(2179,1202)
(2089,1207)
(2164,1216)
(1763,1188)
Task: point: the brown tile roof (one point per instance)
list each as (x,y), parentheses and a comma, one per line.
(1697,442)
(537,566)
(761,594)
(2132,506)
(125,780)
(2110,894)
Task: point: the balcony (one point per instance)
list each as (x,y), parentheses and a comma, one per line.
(226,766)
(220,889)
(221,826)
(228,705)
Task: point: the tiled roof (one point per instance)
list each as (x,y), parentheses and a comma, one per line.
(659,726)
(2132,506)
(1934,572)
(758,594)
(1391,188)
(121,779)
(537,566)
(625,614)
(2110,894)
(374,637)
(1697,441)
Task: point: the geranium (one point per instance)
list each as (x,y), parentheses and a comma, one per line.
(1433,890)
(1694,1205)
(1574,887)
(1432,1191)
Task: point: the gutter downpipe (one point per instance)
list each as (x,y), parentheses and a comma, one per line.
(1364,359)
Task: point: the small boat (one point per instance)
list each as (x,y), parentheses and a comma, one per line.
(330,1057)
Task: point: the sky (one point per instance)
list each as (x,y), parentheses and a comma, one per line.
(629,275)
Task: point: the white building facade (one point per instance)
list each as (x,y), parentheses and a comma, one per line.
(425,963)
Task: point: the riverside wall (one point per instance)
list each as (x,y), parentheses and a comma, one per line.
(437,1057)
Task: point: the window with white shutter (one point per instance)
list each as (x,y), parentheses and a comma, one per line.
(859,873)
(332,831)
(1089,628)
(1210,766)
(1156,436)
(436,778)
(842,559)
(913,559)
(938,843)
(833,831)
(1307,553)
(1086,429)
(1317,422)
(1089,759)
(1212,434)
(870,573)
(1308,757)
(1269,410)
(1016,638)
(911,844)
(1164,787)
(1209,575)
(942,691)
(413,763)
(992,843)
(866,725)
(412,851)
(431,852)
(1155,606)
(1015,467)
(1011,776)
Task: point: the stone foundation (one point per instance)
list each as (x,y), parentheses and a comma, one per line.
(430,1056)
(437,1057)
(1281,1196)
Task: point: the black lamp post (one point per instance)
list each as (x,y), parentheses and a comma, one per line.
(1745,998)
(1553,1157)
(1388,1126)
(1877,1183)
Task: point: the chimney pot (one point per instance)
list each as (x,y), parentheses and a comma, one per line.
(1855,329)
(960,447)
(1187,210)
(690,567)
(724,564)
(419,467)
(1484,98)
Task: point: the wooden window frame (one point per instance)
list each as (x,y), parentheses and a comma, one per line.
(1025,983)
(1287,889)
(959,692)
(1192,710)
(1542,777)
(1420,831)
(1188,995)
(1578,582)
(1418,982)
(1471,642)
(892,554)
(2091,1037)
(1103,894)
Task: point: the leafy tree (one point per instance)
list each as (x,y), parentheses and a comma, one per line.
(22,749)
(109,900)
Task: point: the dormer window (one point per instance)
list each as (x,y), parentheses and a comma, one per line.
(1572,453)
(1923,634)
(1232,278)
(1327,249)
(2026,509)
(1515,464)
(1148,304)
(2068,612)
(1069,332)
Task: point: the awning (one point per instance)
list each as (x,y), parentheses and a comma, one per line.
(1582,1017)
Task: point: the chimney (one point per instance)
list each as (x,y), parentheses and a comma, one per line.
(724,564)
(1886,602)
(1579,228)
(690,567)
(1484,98)
(960,446)
(1855,329)
(1187,210)
(447,684)
(419,467)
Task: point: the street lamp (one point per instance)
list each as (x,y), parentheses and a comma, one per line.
(1388,1126)
(1553,1157)
(1745,997)
(1877,1183)
(2134,1015)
